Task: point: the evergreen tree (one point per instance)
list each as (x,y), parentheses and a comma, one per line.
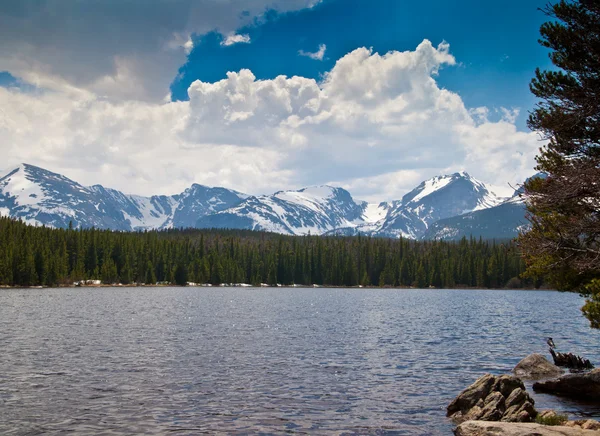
(181,274)
(564,240)
(63,256)
(108,271)
(150,276)
(421,277)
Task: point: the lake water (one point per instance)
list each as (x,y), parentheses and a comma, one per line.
(246,360)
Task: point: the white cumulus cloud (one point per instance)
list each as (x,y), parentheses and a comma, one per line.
(234,38)
(376,123)
(114,49)
(318,55)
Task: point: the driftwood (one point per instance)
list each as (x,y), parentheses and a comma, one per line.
(570,360)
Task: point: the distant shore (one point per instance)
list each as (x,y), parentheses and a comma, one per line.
(231,285)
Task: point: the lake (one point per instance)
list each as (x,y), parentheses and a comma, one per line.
(246,360)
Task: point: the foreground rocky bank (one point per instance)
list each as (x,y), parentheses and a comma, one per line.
(493,398)
(500,405)
(484,428)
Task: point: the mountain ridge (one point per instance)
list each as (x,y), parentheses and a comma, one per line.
(39,196)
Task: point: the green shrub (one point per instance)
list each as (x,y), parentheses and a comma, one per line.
(552,419)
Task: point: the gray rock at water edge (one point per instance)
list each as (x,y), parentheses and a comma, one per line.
(581,386)
(492,398)
(536,366)
(490,428)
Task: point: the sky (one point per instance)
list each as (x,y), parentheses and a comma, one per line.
(373,96)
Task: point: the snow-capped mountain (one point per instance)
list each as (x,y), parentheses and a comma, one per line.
(40,197)
(503,221)
(448,206)
(434,199)
(314,210)
(200,200)
(135,211)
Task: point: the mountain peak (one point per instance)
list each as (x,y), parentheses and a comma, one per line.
(33,172)
(29,167)
(319,190)
(39,196)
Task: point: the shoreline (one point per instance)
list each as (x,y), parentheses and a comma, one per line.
(235,285)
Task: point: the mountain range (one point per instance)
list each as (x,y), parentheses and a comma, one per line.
(444,207)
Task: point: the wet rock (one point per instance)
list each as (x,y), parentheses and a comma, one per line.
(581,386)
(483,428)
(536,366)
(493,398)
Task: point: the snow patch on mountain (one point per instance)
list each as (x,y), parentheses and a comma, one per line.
(428,187)
(314,210)
(442,207)
(39,196)
(375,212)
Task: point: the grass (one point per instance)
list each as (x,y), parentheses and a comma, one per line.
(554,419)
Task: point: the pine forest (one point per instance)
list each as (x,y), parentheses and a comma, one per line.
(42,256)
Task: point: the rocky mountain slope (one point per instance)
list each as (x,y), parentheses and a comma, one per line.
(446,207)
(314,210)
(38,196)
(504,221)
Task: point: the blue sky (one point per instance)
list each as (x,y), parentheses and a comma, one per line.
(263,95)
(495,44)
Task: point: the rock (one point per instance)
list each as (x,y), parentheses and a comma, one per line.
(505,384)
(491,398)
(472,414)
(469,397)
(494,407)
(581,386)
(524,412)
(590,424)
(516,398)
(548,414)
(536,366)
(484,428)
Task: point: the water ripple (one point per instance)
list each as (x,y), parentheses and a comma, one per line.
(302,361)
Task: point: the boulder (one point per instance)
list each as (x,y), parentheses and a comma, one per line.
(580,386)
(524,412)
(493,407)
(469,397)
(492,398)
(585,424)
(536,366)
(482,428)
(590,424)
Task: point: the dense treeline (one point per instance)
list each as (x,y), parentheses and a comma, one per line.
(44,256)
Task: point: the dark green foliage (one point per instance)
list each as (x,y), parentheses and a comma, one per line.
(181,274)
(44,256)
(563,244)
